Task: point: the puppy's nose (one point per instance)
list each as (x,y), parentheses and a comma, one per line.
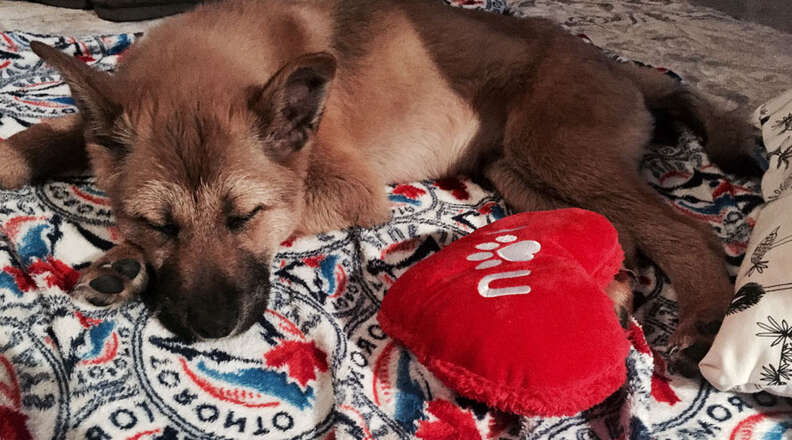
(214,307)
(214,330)
(212,322)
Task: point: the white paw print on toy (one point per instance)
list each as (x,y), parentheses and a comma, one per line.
(494,253)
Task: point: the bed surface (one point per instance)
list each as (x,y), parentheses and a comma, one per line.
(317,365)
(741,62)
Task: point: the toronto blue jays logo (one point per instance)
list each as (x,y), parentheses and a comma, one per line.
(771,425)
(260,384)
(401,385)
(78,200)
(31,90)
(35,267)
(97,343)
(323,276)
(40,94)
(32,382)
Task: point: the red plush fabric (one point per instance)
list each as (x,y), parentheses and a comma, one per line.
(545,342)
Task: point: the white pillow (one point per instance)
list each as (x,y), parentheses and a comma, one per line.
(753,349)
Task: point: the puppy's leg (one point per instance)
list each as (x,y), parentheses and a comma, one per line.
(341,191)
(118,276)
(689,253)
(53,146)
(585,144)
(519,193)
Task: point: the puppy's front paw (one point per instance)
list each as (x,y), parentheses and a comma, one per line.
(14,169)
(690,343)
(118,276)
(374,214)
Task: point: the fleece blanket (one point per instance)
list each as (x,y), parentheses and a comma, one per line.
(317,364)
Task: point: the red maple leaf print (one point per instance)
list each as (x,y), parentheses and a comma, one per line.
(21,278)
(453,423)
(456,186)
(58,273)
(661,384)
(301,359)
(408,191)
(486,208)
(13,424)
(12,420)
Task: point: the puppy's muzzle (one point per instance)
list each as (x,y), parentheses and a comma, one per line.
(210,306)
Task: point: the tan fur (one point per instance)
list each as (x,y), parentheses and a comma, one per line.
(620,291)
(230,128)
(411,112)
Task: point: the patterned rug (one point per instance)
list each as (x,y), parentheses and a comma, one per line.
(317,364)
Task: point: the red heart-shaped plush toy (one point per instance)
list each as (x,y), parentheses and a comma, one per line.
(515,315)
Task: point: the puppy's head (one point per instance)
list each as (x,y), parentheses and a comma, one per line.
(207,182)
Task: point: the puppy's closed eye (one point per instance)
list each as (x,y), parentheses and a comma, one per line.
(236,223)
(168,228)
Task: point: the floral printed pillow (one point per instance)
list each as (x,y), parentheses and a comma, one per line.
(753,349)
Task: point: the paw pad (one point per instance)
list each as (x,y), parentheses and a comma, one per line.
(127,267)
(107,284)
(114,278)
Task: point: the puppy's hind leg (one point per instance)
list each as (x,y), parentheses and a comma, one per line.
(521,195)
(53,146)
(691,256)
(587,147)
(118,276)
(518,191)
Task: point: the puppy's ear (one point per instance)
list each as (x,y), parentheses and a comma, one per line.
(90,90)
(289,107)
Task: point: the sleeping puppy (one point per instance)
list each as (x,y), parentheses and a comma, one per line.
(228,129)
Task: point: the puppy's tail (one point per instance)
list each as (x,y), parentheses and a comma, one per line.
(728,137)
